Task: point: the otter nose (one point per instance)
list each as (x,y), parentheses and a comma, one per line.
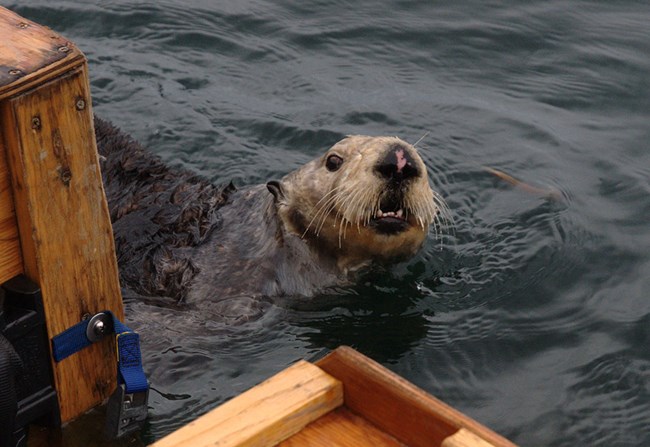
(398,165)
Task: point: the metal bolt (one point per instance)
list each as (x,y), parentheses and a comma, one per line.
(14,72)
(80,104)
(99,328)
(36,123)
(64,49)
(23,25)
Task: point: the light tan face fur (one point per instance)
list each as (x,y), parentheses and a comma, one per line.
(333,211)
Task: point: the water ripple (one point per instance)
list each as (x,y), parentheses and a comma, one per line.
(531,305)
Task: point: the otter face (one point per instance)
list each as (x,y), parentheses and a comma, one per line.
(366,198)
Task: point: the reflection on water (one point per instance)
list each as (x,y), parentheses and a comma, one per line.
(532,315)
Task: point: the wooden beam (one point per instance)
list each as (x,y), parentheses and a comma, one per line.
(396,406)
(266,414)
(465,438)
(66,240)
(341,428)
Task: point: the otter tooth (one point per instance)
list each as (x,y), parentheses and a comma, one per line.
(400,213)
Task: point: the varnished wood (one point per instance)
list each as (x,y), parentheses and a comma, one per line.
(465,438)
(65,232)
(30,53)
(341,428)
(380,409)
(397,406)
(266,414)
(11,261)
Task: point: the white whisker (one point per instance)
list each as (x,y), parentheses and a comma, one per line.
(421,138)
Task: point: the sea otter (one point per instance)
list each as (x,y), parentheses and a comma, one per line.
(367,199)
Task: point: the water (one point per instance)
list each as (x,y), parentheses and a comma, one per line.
(534,315)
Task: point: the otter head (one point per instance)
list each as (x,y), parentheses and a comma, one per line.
(367,198)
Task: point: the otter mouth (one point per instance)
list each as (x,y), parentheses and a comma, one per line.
(390,218)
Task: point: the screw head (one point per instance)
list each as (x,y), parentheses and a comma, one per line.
(80,104)
(99,328)
(14,72)
(64,49)
(36,123)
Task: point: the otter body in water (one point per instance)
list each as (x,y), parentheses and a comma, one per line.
(366,199)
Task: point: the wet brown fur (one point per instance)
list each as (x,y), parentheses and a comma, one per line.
(158,214)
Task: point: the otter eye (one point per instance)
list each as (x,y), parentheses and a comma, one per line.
(333,163)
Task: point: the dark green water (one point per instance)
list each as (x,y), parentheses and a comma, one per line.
(533,316)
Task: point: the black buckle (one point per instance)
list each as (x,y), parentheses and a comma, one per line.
(125,412)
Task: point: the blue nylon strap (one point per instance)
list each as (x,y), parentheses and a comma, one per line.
(70,341)
(129,364)
(129,360)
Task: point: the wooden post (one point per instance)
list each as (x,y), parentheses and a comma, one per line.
(54,221)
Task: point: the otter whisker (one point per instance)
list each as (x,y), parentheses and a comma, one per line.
(339,205)
(319,219)
(353,211)
(421,138)
(327,212)
(359,210)
(444,211)
(441,215)
(342,227)
(324,210)
(343,206)
(331,193)
(322,214)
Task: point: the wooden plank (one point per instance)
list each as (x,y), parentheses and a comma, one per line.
(465,438)
(266,414)
(341,428)
(30,53)
(11,261)
(65,232)
(396,406)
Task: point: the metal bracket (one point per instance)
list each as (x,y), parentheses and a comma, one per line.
(125,412)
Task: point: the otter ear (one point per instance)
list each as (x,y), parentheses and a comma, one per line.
(276,189)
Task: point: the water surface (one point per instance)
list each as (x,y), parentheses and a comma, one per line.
(533,315)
